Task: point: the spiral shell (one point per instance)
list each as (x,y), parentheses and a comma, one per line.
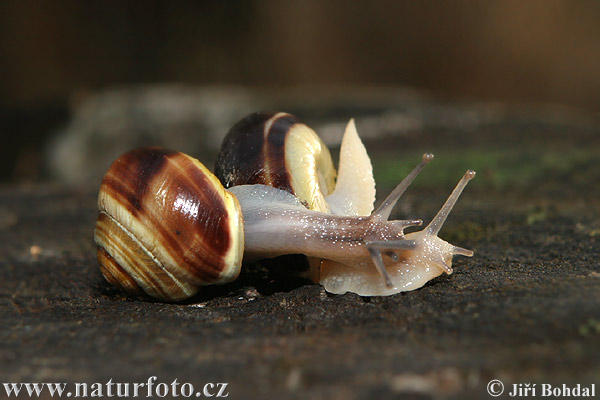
(275,149)
(166,225)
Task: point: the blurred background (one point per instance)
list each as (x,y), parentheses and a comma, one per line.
(69,69)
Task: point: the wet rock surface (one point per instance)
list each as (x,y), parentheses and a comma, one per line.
(525,308)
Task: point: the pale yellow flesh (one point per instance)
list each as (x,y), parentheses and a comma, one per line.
(339,278)
(421,266)
(354,193)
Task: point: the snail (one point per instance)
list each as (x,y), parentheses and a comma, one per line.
(354,195)
(167,226)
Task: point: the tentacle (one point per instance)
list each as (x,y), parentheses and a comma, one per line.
(459,251)
(385,209)
(405,223)
(378,261)
(436,224)
(387,247)
(443,265)
(400,244)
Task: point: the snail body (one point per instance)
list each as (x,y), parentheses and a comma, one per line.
(353,195)
(167,226)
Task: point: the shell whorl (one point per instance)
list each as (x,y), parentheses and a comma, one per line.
(166,225)
(275,149)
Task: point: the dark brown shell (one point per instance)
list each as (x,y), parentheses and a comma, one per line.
(166,225)
(275,149)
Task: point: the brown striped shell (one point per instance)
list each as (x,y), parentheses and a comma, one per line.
(275,149)
(166,225)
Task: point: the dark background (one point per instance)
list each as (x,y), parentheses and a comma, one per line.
(54,53)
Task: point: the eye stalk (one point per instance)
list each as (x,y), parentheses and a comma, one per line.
(434,249)
(436,223)
(385,209)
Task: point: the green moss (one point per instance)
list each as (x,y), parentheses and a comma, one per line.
(537,214)
(498,168)
(467,231)
(590,327)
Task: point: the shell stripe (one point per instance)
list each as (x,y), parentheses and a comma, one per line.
(115,274)
(184,217)
(145,165)
(137,262)
(137,258)
(275,169)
